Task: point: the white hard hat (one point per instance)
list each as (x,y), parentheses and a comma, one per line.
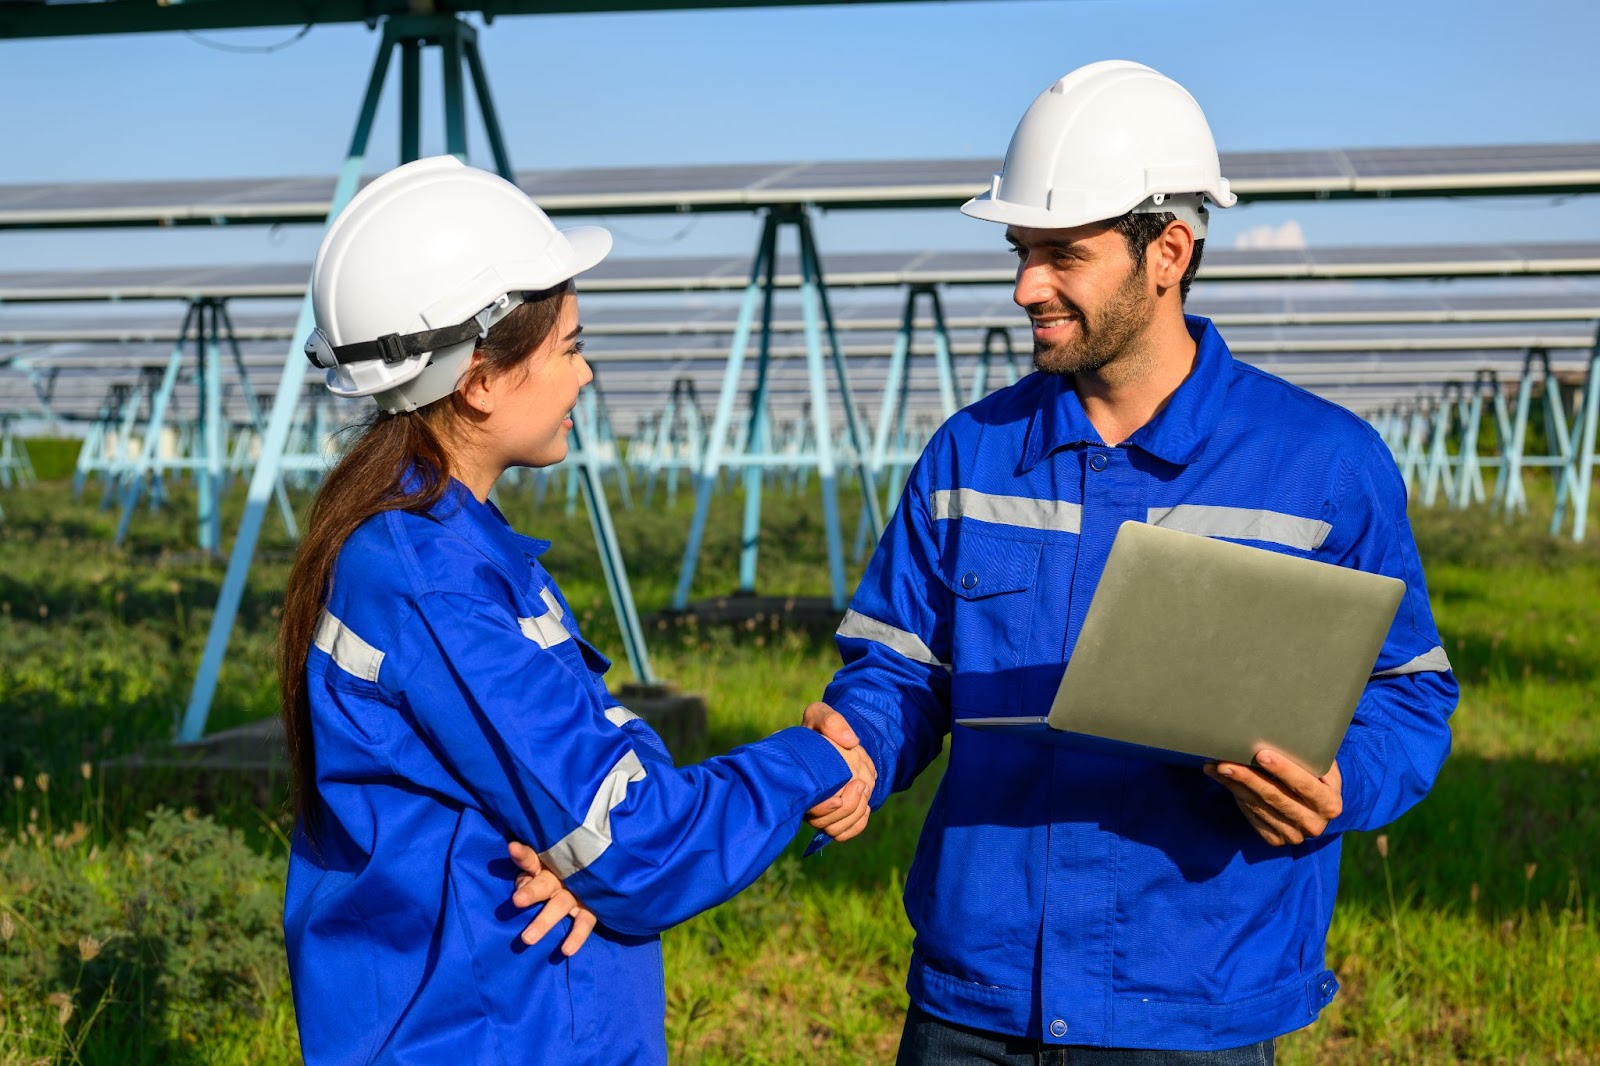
(419,265)
(1109,138)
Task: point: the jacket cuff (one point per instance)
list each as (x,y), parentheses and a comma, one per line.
(815,753)
(865,724)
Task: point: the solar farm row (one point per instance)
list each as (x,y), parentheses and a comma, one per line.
(1281,175)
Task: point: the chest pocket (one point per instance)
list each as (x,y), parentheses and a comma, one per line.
(549,631)
(993,580)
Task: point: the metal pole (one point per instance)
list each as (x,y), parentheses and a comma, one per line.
(1586,457)
(866,478)
(1514,499)
(891,382)
(706,479)
(265,477)
(253,406)
(455,106)
(211,432)
(1557,430)
(810,282)
(410,99)
(941,354)
(491,121)
(152,433)
(757,438)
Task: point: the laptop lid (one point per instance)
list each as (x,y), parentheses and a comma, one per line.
(1217,649)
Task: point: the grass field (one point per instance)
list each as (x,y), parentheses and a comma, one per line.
(133,933)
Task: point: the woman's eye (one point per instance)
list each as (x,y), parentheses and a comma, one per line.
(577,348)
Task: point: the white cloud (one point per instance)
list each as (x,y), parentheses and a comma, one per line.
(1288,235)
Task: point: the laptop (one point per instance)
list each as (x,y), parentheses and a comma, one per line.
(1197,649)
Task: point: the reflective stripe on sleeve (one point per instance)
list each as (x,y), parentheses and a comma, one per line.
(1025,511)
(589,841)
(1434,661)
(545,630)
(548,629)
(907,644)
(619,715)
(1242,523)
(349,652)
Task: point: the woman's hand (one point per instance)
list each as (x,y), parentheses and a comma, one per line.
(845,814)
(535,884)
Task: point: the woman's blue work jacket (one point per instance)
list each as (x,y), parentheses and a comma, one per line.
(1078,897)
(455,707)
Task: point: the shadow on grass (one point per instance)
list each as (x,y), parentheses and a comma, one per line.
(130,1026)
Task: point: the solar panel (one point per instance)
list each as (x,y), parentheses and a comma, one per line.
(1291,308)
(845,270)
(1315,174)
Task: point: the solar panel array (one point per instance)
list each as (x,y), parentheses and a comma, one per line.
(1319,174)
(1336,333)
(1381,344)
(847,270)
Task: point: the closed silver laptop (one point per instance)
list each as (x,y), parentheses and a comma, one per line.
(1205,649)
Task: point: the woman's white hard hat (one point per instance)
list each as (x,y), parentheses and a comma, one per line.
(1107,139)
(419,265)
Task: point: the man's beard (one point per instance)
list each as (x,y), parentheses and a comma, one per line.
(1099,342)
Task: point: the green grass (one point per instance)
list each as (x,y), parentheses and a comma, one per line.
(1473,939)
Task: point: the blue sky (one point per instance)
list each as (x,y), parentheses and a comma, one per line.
(858,82)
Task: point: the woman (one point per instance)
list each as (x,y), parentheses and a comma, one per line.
(438,698)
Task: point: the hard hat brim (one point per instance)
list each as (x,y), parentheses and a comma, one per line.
(590,244)
(1010,214)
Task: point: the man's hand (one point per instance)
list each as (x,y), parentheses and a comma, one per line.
(1282,801)
(845,814)
(536,884)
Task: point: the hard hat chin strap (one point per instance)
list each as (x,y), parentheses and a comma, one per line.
(1187,207)
(394,348)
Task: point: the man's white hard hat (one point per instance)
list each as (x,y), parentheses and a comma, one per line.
(1108,138)
(417,268)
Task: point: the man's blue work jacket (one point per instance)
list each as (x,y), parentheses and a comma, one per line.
(455,707)
(1083,898)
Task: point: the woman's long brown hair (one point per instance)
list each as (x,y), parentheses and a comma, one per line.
(369,480)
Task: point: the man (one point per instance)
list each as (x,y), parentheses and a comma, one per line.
(1120,909)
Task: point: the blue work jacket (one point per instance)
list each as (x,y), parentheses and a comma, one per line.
(1084,898)
(455,707)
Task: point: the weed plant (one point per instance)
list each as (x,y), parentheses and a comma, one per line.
(134,931)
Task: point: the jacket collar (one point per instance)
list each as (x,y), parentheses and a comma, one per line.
(485,528)
(1177,434)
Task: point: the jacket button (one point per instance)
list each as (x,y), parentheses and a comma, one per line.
(1097,462)
(1058,1028)
(969,580)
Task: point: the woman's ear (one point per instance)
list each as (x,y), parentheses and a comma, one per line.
(476,388)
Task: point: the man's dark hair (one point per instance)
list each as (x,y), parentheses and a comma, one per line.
(1141,229)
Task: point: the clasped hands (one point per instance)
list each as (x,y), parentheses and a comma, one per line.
(842,816)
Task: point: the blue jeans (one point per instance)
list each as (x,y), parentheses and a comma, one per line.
(930,1041)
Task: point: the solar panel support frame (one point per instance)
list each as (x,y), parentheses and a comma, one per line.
(396,31)
(1574,491)
(754,455)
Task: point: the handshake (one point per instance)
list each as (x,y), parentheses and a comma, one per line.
(842,816)
(845,814)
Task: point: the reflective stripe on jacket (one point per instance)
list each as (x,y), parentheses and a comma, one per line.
(1085,898)
(455,706)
